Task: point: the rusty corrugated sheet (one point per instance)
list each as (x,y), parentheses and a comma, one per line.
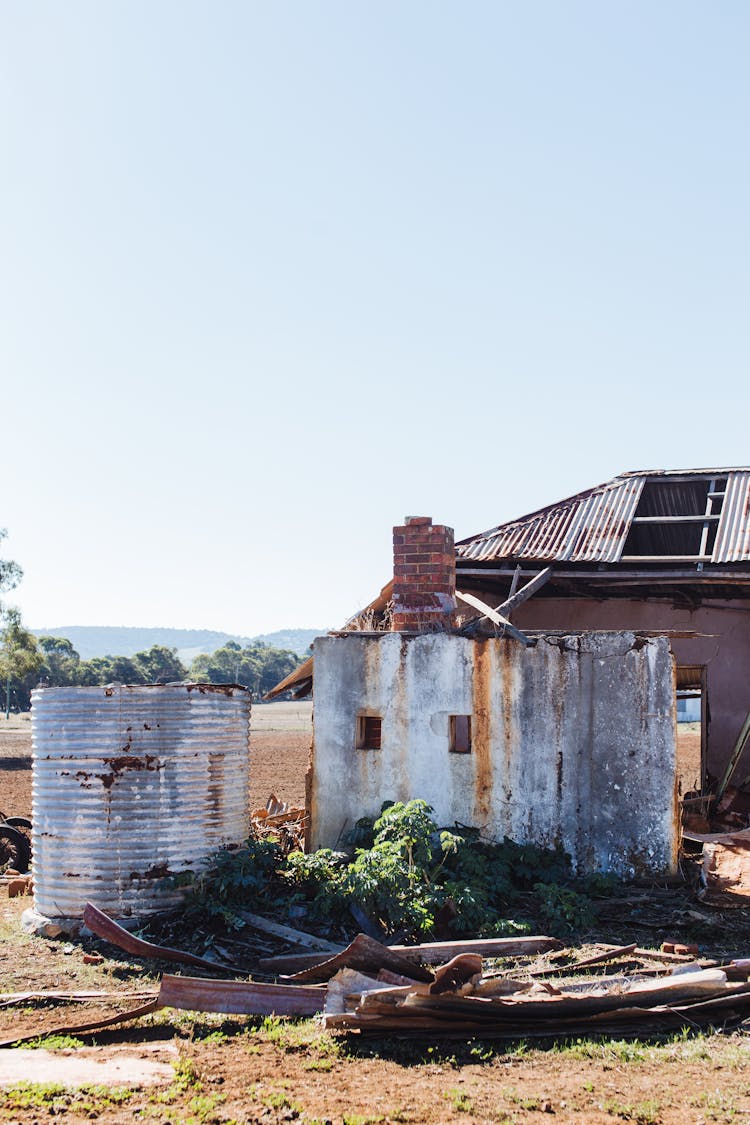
(733,537)
(589,527)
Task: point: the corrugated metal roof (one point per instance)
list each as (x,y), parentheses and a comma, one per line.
(733,537)
(592,526)
(589,527)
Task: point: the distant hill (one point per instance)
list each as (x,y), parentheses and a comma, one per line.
(112,640)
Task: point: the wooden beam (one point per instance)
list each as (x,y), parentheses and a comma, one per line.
(739,746)
(514,581)
(525,592)
(674,519)
(494,617)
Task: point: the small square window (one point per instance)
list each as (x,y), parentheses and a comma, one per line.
(368,732)
(460,734)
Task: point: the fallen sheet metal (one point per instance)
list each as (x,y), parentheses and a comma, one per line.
(196,994)
(536,1008)
(104,927)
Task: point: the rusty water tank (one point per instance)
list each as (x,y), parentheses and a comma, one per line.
(132,784)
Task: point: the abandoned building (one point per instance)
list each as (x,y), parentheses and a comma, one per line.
(560,725)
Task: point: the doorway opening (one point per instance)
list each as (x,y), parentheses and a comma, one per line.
(692,728)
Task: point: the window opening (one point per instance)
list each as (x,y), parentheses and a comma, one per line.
(460,734)
(369,732)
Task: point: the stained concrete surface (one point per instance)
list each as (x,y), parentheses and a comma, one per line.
(92,1066)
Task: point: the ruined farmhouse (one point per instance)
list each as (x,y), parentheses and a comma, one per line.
(524,680)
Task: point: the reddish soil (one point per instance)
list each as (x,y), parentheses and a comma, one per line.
(239,1069)
(15,767)
(688,757)
(278,761)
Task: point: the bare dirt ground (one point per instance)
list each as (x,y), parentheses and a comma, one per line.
(688,757)
(243,1070)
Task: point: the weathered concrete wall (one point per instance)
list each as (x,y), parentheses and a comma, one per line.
(724,649)
(573,741)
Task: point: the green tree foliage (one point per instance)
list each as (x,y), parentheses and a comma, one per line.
(20,661)
(158,665)
(256,666)
(10,572)
(61,665)
(411,878)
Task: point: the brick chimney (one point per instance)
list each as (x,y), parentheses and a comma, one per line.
(424,576)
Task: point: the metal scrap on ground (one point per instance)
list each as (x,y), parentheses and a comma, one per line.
(376,989)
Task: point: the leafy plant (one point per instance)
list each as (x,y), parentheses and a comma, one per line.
(234,878)
(563,908)
(410,878)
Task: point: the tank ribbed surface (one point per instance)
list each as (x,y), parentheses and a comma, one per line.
(132,784)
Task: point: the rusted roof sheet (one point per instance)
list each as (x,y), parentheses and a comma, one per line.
(589,527)
(733,537)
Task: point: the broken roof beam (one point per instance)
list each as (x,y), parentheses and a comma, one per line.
(516,599)
(496,619)
(696,518)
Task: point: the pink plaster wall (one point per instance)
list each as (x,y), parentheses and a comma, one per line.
(725,650)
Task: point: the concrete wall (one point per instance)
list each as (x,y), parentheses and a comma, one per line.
(573,741)
(724,648)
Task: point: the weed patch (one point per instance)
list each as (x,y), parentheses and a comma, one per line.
(405,873)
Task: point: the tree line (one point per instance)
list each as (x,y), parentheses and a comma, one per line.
(27,661)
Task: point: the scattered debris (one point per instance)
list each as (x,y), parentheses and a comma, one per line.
(284,822)
(21,885)
(15,844)
(83,1028)
(288,933)
(512,1009)
(104,927)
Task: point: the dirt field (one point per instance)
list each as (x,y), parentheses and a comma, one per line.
(238,1069)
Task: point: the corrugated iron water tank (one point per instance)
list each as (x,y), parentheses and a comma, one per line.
(131,784)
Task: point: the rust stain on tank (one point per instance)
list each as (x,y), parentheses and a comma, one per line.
(481,714)
(215,788)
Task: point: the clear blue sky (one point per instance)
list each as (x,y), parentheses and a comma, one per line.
(274,276)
